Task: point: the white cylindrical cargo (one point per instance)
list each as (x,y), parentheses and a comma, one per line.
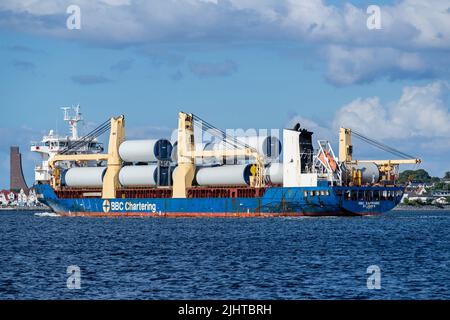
(369,172)
(138,176)
(174,154)
(145,150)
(274,173)
(228,175)
(85,177)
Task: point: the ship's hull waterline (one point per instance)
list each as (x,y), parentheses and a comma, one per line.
(276,202)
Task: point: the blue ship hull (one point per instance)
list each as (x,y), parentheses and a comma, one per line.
(276,201)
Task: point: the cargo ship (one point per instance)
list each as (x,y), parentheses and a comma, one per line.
(232,176)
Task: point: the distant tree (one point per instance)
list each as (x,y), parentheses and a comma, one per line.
(419,202)
(415,203)
(435,179)
(417,175)
(447,175)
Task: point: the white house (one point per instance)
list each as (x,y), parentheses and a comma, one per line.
(441,200)
(3,199)
(32,198)
(413,196)
(22,198)
(11,197)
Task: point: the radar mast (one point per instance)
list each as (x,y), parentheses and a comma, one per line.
(73,120)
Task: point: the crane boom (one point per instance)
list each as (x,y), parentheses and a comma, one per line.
(389,162)
(346,150)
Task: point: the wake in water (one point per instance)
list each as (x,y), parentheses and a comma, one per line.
(46,214)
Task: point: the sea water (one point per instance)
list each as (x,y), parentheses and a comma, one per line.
(398,255)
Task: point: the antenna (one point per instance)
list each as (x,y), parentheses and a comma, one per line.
(73,120)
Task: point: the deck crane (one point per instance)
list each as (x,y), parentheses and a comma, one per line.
(116,128)
(187,153)
(387,168)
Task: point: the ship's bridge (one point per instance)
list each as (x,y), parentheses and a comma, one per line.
(53,144)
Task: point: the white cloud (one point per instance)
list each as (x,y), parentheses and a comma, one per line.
(409,23)
(117,2)
(358,65)
(421,111)
(413,32)
(34,7)
(431,19)
(321,132)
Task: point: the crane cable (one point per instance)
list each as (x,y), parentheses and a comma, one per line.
(85,140)
(230,141)
(382,146)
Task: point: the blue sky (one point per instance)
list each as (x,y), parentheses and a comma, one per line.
(238,64)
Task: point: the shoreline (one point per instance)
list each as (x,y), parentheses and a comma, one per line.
(421,208)
(25,209)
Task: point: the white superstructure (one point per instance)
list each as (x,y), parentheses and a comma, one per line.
(53,144)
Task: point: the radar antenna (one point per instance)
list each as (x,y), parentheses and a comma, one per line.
(73,120)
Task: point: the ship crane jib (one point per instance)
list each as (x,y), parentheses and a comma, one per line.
(388,169)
